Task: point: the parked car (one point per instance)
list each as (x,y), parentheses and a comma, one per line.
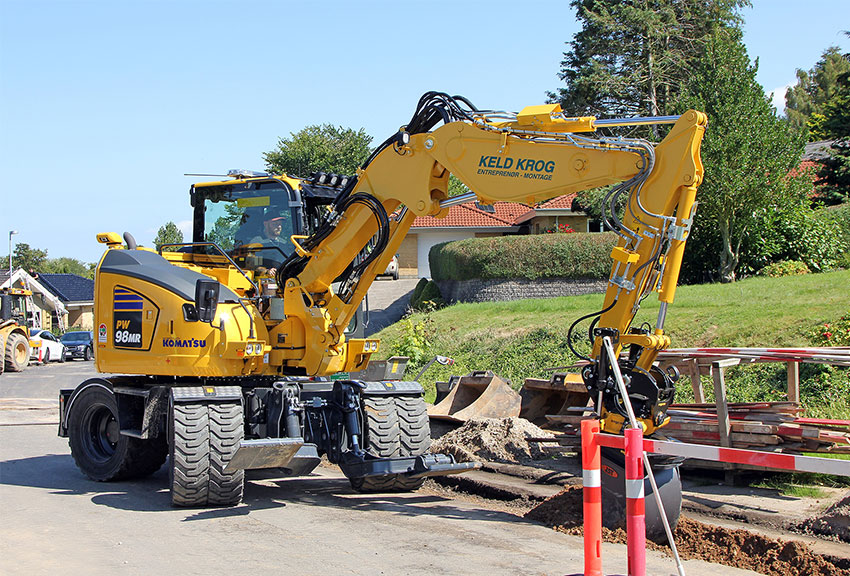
(51,348)
(392,268)
(79,344)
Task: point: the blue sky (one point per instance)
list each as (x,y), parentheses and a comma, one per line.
(104,105)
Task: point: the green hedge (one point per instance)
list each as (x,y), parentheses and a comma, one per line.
(572,256)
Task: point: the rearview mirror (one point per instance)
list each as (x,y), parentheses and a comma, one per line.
(206,299)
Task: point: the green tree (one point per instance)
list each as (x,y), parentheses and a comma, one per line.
(633,57)
(168,234)
(834,185)
(30,259)
(807,102)
(65,265)
(753,208)
(324,148)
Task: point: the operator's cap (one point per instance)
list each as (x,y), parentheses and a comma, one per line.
(275,219)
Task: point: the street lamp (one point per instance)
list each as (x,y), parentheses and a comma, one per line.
(11,233)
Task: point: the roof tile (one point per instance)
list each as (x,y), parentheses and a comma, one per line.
(69,287)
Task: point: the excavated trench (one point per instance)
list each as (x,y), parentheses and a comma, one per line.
(507,441)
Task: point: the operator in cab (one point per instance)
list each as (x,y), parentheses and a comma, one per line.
(271,245)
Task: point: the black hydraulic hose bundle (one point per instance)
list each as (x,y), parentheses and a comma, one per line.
(433,107)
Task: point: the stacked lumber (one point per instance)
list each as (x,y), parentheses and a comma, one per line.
(759,425)
(770,426)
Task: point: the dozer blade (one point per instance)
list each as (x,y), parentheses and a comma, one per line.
(543,401)
(478,395)
(264,453)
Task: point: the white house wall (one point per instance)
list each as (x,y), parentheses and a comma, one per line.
(426,240)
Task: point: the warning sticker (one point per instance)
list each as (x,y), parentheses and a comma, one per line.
(101,333)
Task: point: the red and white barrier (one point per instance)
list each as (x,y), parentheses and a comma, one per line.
(591,475)
(634,444)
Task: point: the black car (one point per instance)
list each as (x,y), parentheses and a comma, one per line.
(78,344)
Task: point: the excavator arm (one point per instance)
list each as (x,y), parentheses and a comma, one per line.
(528,157)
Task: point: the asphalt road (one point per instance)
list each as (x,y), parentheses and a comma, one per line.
(55,520)
(388,301)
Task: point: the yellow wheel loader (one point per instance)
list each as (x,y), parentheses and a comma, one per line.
(227,345)
(14,331)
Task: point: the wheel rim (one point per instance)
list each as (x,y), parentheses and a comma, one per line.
(20,352)
(100,433)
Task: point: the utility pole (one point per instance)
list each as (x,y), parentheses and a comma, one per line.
(11,233)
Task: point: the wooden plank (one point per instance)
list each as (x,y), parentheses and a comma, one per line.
(793,381)
(712,426)
(724,425)
(696,384)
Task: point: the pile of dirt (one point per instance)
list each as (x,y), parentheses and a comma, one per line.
(739,548)
(493,439)
(834,523)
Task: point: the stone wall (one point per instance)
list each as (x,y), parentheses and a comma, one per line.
(500,290)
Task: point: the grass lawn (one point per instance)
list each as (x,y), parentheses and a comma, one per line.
(524,338)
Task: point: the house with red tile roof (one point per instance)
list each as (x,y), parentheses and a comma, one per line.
(475,220)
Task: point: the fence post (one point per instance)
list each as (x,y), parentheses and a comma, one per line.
(592,495)
(635,506)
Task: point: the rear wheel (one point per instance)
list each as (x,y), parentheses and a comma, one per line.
(46,358)
(17,352)
(99,449)
(393,426)
(204,438)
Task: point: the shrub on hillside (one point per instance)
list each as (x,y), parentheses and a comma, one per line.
(785,268)
(836,333)
(426,296)
(574,256)
(416,296)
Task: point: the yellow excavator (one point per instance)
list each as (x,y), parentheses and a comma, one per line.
(227,346)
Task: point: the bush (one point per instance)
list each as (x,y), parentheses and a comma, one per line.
(836,333)
(839,216)
(785,268)
(575,256)
(426,296)
(416,296)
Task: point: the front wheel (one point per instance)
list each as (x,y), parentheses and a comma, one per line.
(393,427)
(17,353)
(46,358)
(204,438)
(87,354)
(99,449)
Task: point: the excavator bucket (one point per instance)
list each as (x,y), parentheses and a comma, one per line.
(547,401)
(479,394)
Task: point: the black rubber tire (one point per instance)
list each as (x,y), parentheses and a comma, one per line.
(62,358)
(393,426)
(98,449)
(46,357)
(87,355)
(204,438)
(17,354)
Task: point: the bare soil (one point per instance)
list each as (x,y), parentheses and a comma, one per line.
(694,539)
(507,441)
(494,440)
(834,523)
